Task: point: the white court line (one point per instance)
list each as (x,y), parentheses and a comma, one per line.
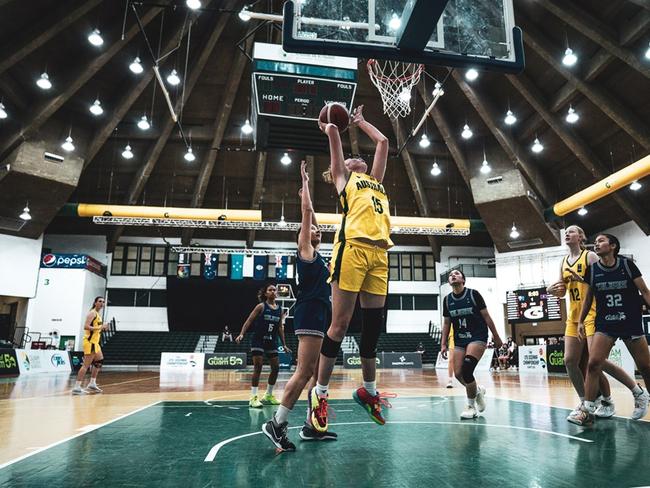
(215,449)
(95,427)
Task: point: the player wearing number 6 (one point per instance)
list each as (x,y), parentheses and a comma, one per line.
(615,283)
(359,266)
(576,349)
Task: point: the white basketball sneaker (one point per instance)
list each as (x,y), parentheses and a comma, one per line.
(94,389)
(78,391)
(575,415)
(605,410)
(480,398)
(640,405)
(469,413)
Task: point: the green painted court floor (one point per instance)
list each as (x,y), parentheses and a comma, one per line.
(204,444)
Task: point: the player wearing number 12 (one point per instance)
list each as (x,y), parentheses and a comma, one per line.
(576,349)
(359,266)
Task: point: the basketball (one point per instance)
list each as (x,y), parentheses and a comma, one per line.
(337,114)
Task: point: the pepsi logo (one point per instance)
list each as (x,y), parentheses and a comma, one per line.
(49,260)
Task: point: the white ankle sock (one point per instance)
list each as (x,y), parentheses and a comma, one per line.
(253,390)
(269,389)
(321,389)
(371,387)
(471,402)
(77,384)
(281,415)
(93,382)
(637,390)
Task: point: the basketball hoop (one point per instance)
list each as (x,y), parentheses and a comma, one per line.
(395,80)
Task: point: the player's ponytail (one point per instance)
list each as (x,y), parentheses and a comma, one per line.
(261,294)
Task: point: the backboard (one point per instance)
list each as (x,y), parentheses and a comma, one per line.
(468,33)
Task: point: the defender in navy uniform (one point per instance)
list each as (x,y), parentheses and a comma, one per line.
(312,317)
(465,309)
(615,283)
(267,319)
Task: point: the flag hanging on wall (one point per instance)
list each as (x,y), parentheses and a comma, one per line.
(210,266)
(248,266)
(281,267)
(237,267)
(260,268)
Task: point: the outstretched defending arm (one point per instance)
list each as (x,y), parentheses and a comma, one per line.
(305,249)
(381,152)
(249,321)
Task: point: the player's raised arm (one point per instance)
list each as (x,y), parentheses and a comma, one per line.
(305,248)
(337,161)
(381,141)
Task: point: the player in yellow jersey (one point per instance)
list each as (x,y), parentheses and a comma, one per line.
(359,267)
(93,356)
(573,269)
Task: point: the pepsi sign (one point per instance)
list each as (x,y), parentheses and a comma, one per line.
(72,261)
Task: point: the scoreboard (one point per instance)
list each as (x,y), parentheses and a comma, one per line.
(298,97)
(532,305)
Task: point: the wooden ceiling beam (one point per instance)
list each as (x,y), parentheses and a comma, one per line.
(602,98)
(126,102)
(220,125)
(153,154)
(68,88)
(595,65)
(595,30)
(444,128)
(577,145)
(419,192)
(258,187)
(50,26)
(513,150)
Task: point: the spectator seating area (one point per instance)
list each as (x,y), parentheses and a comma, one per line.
(144,348)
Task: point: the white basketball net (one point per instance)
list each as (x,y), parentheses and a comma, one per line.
(395,80)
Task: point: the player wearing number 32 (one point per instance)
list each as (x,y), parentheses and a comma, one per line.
(359,266)
(576,349)
(465,310)
(614,282)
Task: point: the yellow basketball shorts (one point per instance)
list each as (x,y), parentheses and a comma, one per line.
(571,329)
(91,347)
(358,266)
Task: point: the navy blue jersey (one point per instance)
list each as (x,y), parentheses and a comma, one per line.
(267,323)
(618,303)
(464,311)
(311,280)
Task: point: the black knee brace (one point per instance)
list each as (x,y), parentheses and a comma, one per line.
(469,365)
(330,347)
(371,325)
(98,363)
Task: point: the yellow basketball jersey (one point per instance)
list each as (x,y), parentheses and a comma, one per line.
(365,210)
(576,289)
(94,335)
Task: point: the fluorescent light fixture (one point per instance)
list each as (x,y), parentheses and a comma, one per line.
(286,160)
(143,123)
(471,74)
(569,58)
(127,153)
(96,108)
(467,132)
(136,66)
(95,38)
(44,82)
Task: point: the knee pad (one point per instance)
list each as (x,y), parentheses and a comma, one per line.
(469,365)
(371,325)
(330,347)
(98,363)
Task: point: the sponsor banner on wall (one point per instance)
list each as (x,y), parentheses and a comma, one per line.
(73,261)
(532,359)
(31,361)
(483,364)
(353,360)
(397,360)
(8,362)
(620,356)
(76,359)
(182,361)
(555,358)
(235,360)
